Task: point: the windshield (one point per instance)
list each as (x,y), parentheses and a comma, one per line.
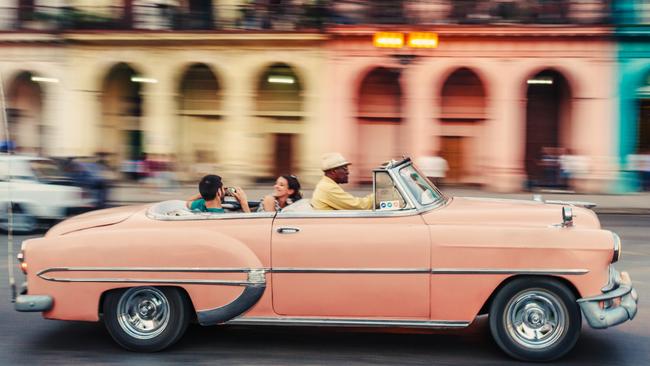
(420,187)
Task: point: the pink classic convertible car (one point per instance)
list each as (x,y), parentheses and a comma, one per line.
(420,259)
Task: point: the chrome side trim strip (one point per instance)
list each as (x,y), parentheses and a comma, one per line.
(147,269)
(463,271)
(255,276)
(352,270)
(431,324)
(150,280)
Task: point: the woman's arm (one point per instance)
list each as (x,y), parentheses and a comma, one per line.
(269,203)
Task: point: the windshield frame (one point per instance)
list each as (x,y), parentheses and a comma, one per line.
(397,177)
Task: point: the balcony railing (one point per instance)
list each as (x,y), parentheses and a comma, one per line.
(281,15)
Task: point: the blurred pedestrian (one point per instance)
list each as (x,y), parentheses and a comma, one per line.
(574,169)
(640,164)
(434,167)
(644,169)
(286,191)
(550,163)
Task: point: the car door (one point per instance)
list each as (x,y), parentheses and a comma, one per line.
(356,264)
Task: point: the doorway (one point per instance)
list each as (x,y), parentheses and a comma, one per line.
(451,149)
(283,154)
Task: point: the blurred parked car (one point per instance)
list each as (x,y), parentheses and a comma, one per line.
(90,175)
(38,191)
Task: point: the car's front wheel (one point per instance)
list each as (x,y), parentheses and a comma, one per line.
(535,319)
(146,319)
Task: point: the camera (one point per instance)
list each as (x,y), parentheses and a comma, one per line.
(230,191)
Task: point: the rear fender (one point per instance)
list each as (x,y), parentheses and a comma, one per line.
(213,268)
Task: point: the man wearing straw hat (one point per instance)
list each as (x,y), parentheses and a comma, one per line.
(328,194)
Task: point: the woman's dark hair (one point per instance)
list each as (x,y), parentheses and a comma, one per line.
(292,183)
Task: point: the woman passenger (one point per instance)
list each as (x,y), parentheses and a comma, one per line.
(285,192)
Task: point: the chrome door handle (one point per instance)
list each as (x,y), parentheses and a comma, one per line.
(288,230)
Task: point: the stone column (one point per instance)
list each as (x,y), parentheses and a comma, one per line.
(238,106)
(159,117)
(79,118)
(316,122)
(506,132)
(420,124)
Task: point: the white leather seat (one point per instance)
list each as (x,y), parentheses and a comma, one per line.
(299,206)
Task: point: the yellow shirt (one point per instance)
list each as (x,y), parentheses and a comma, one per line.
(328,195)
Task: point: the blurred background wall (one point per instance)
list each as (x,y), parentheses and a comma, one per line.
(255,88)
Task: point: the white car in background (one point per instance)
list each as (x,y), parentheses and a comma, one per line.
(38,191)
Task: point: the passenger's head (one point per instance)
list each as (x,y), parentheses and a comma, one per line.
(210,186)
(335,167)
(287,186)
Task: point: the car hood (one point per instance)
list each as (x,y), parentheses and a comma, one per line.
(492,211)
(92,219)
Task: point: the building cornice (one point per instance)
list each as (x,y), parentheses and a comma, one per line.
(493,30)
(151,38)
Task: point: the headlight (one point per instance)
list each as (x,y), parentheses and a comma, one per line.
(617,248)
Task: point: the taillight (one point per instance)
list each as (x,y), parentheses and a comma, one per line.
(22,263)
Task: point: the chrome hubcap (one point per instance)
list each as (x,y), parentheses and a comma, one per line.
(535,318)
(143,312)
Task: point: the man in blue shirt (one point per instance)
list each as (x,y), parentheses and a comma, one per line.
(211,193)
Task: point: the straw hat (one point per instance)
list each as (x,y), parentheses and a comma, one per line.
(333,160)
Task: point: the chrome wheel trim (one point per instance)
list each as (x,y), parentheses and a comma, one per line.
(536,319)
(143,312)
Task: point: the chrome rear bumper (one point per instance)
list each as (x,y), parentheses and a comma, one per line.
(617,304)
(33,303)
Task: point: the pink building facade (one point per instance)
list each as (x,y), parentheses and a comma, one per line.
(490,99)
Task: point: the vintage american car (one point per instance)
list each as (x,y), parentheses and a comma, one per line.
(420,259)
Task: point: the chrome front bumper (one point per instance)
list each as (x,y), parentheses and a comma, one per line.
(617,304)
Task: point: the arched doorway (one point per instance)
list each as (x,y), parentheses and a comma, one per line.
(462,111)
(379,118)
(121,137)
(200,110)
(27,132)
(548,113)
(279,114)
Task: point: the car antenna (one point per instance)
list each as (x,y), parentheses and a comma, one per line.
(10,216)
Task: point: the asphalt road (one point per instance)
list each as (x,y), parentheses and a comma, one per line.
(26,338)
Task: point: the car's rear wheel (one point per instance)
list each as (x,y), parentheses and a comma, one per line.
(535,319)
(146,319)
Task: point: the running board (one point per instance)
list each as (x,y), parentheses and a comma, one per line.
(427,324)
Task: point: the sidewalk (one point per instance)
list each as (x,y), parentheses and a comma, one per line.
(633,203)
